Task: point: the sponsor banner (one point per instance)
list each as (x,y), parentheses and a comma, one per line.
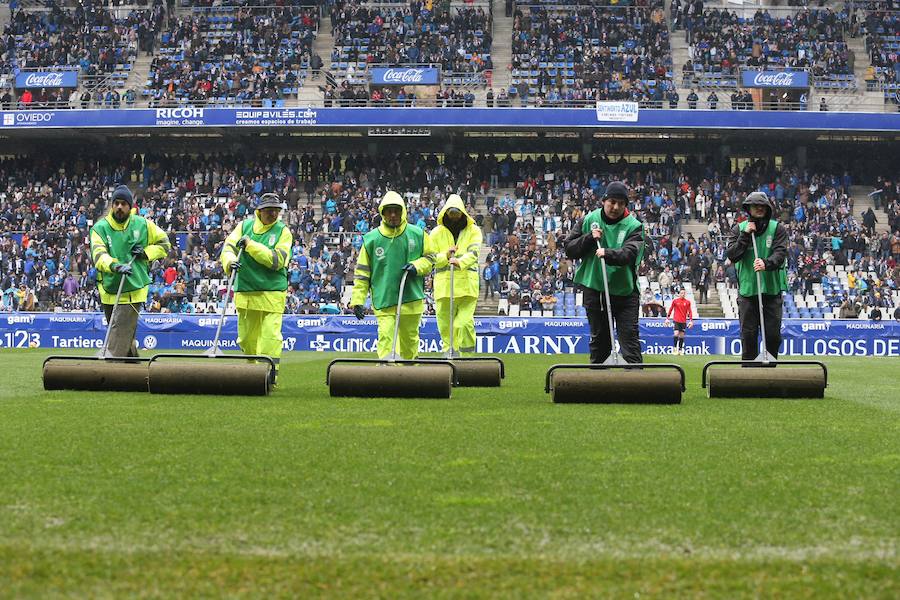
(775,79)
(617,111)
(496,335)
(46,79)
(404,76)
(465,118)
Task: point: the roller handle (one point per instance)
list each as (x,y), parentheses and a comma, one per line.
(764,355)
(104,350)
(450,352)
(613,355)
(214,349)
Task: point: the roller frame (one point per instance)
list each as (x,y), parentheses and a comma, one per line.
(605,367)
(380,361)
(760,363)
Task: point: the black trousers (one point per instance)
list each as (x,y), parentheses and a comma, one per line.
(748,311)
(625,314)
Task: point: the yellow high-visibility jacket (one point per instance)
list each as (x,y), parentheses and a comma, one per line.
(423,264)
(272,301)
(158,247)
(468,247)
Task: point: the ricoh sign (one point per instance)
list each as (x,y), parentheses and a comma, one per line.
(405,76)
(775,79)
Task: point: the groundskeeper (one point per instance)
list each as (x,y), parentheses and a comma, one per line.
(261,283)
(123,245)
(457,242)
(393,247)
(771,247)
(621,239)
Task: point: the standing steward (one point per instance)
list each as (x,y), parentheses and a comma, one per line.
(771,245)
(123,245)
(261,283)
(622,243)
(457,242)
(388,251)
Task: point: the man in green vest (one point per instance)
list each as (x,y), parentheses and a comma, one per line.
(387,251)
(771,245)
(457,241)
(123,245)
(621,239)
(260,287)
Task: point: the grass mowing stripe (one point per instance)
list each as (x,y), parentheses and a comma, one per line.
(732,495)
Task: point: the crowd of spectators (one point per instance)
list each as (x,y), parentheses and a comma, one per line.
(812,39)
(459,39)
(566,56)
(89,38)
(48,205)
(883,46)
(245,56)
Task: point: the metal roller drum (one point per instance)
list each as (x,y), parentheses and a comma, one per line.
(390,381)
(781,382)
(95,375)
(616,386)
(221,378)
(478,373)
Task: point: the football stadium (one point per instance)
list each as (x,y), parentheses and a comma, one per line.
(452,299)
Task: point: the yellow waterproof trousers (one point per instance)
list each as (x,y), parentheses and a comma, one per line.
(408,336)
(259,332)
(463,323)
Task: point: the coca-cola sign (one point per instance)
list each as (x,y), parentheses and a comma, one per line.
(776,79)
(46,79)
(404,76)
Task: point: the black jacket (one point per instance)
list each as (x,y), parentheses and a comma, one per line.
(579,245)
(740,243)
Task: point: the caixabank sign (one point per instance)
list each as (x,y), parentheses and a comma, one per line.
(495,335)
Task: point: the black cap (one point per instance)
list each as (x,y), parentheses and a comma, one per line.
(616,189)
(123,193)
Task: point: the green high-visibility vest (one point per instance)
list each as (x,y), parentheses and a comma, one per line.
(387,257)
(119,245)
(773,282)
(254,277)
(622,279)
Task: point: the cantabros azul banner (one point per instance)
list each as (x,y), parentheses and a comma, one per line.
(497,335)
(405,76)
(463,118)
(46,79)
(775,79)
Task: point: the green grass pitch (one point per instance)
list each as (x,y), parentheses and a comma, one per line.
(493,493)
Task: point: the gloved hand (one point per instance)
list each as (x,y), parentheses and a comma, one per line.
(236,265)
(137,251)
(359,312)
(411,269)
(122,268)
(242,243)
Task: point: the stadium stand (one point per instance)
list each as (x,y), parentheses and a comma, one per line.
(566,55)
(233,56)
(47,207)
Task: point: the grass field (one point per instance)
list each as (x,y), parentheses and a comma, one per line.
(489,494)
